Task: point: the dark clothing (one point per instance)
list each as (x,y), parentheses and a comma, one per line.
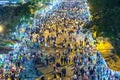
(42,78)
(62,60)
(57,64)
(64,72)
(12,77)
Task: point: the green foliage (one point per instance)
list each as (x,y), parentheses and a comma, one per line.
(10,15)
(106,16)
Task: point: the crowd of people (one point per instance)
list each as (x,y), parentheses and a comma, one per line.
(60,30)
(89,65)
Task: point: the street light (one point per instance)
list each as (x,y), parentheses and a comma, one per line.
(1,29)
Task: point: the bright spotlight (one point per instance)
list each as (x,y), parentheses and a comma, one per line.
(1,29)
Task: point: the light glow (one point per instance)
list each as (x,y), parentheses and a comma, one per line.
(1,29)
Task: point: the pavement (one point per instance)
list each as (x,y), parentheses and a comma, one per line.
(48,71)
(58,24)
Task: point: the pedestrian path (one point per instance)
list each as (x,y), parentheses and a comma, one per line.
(81,36)
(59,46)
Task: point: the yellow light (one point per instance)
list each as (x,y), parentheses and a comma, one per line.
(1,29)
(41,5)
(88,8)
(32,11)
(91,17)
(104,46)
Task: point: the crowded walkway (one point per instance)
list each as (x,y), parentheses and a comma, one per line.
(58,45)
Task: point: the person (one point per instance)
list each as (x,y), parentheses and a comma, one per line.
(57,54)
(42,78)
(48,39)
(54,66)
(55,75)
(6,76)
(75,77)
(58,64)
(64,60)
(63,45)
(46,60)
(53,59)
(64,72)
(1,71)
(85,77)
(12,76)
(61,61)
(54,46)
(2,77)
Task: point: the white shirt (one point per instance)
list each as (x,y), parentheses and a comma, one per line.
(75,76)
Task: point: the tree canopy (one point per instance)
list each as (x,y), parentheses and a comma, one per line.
(106,16)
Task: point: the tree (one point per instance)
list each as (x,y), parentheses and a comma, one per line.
(105,16)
